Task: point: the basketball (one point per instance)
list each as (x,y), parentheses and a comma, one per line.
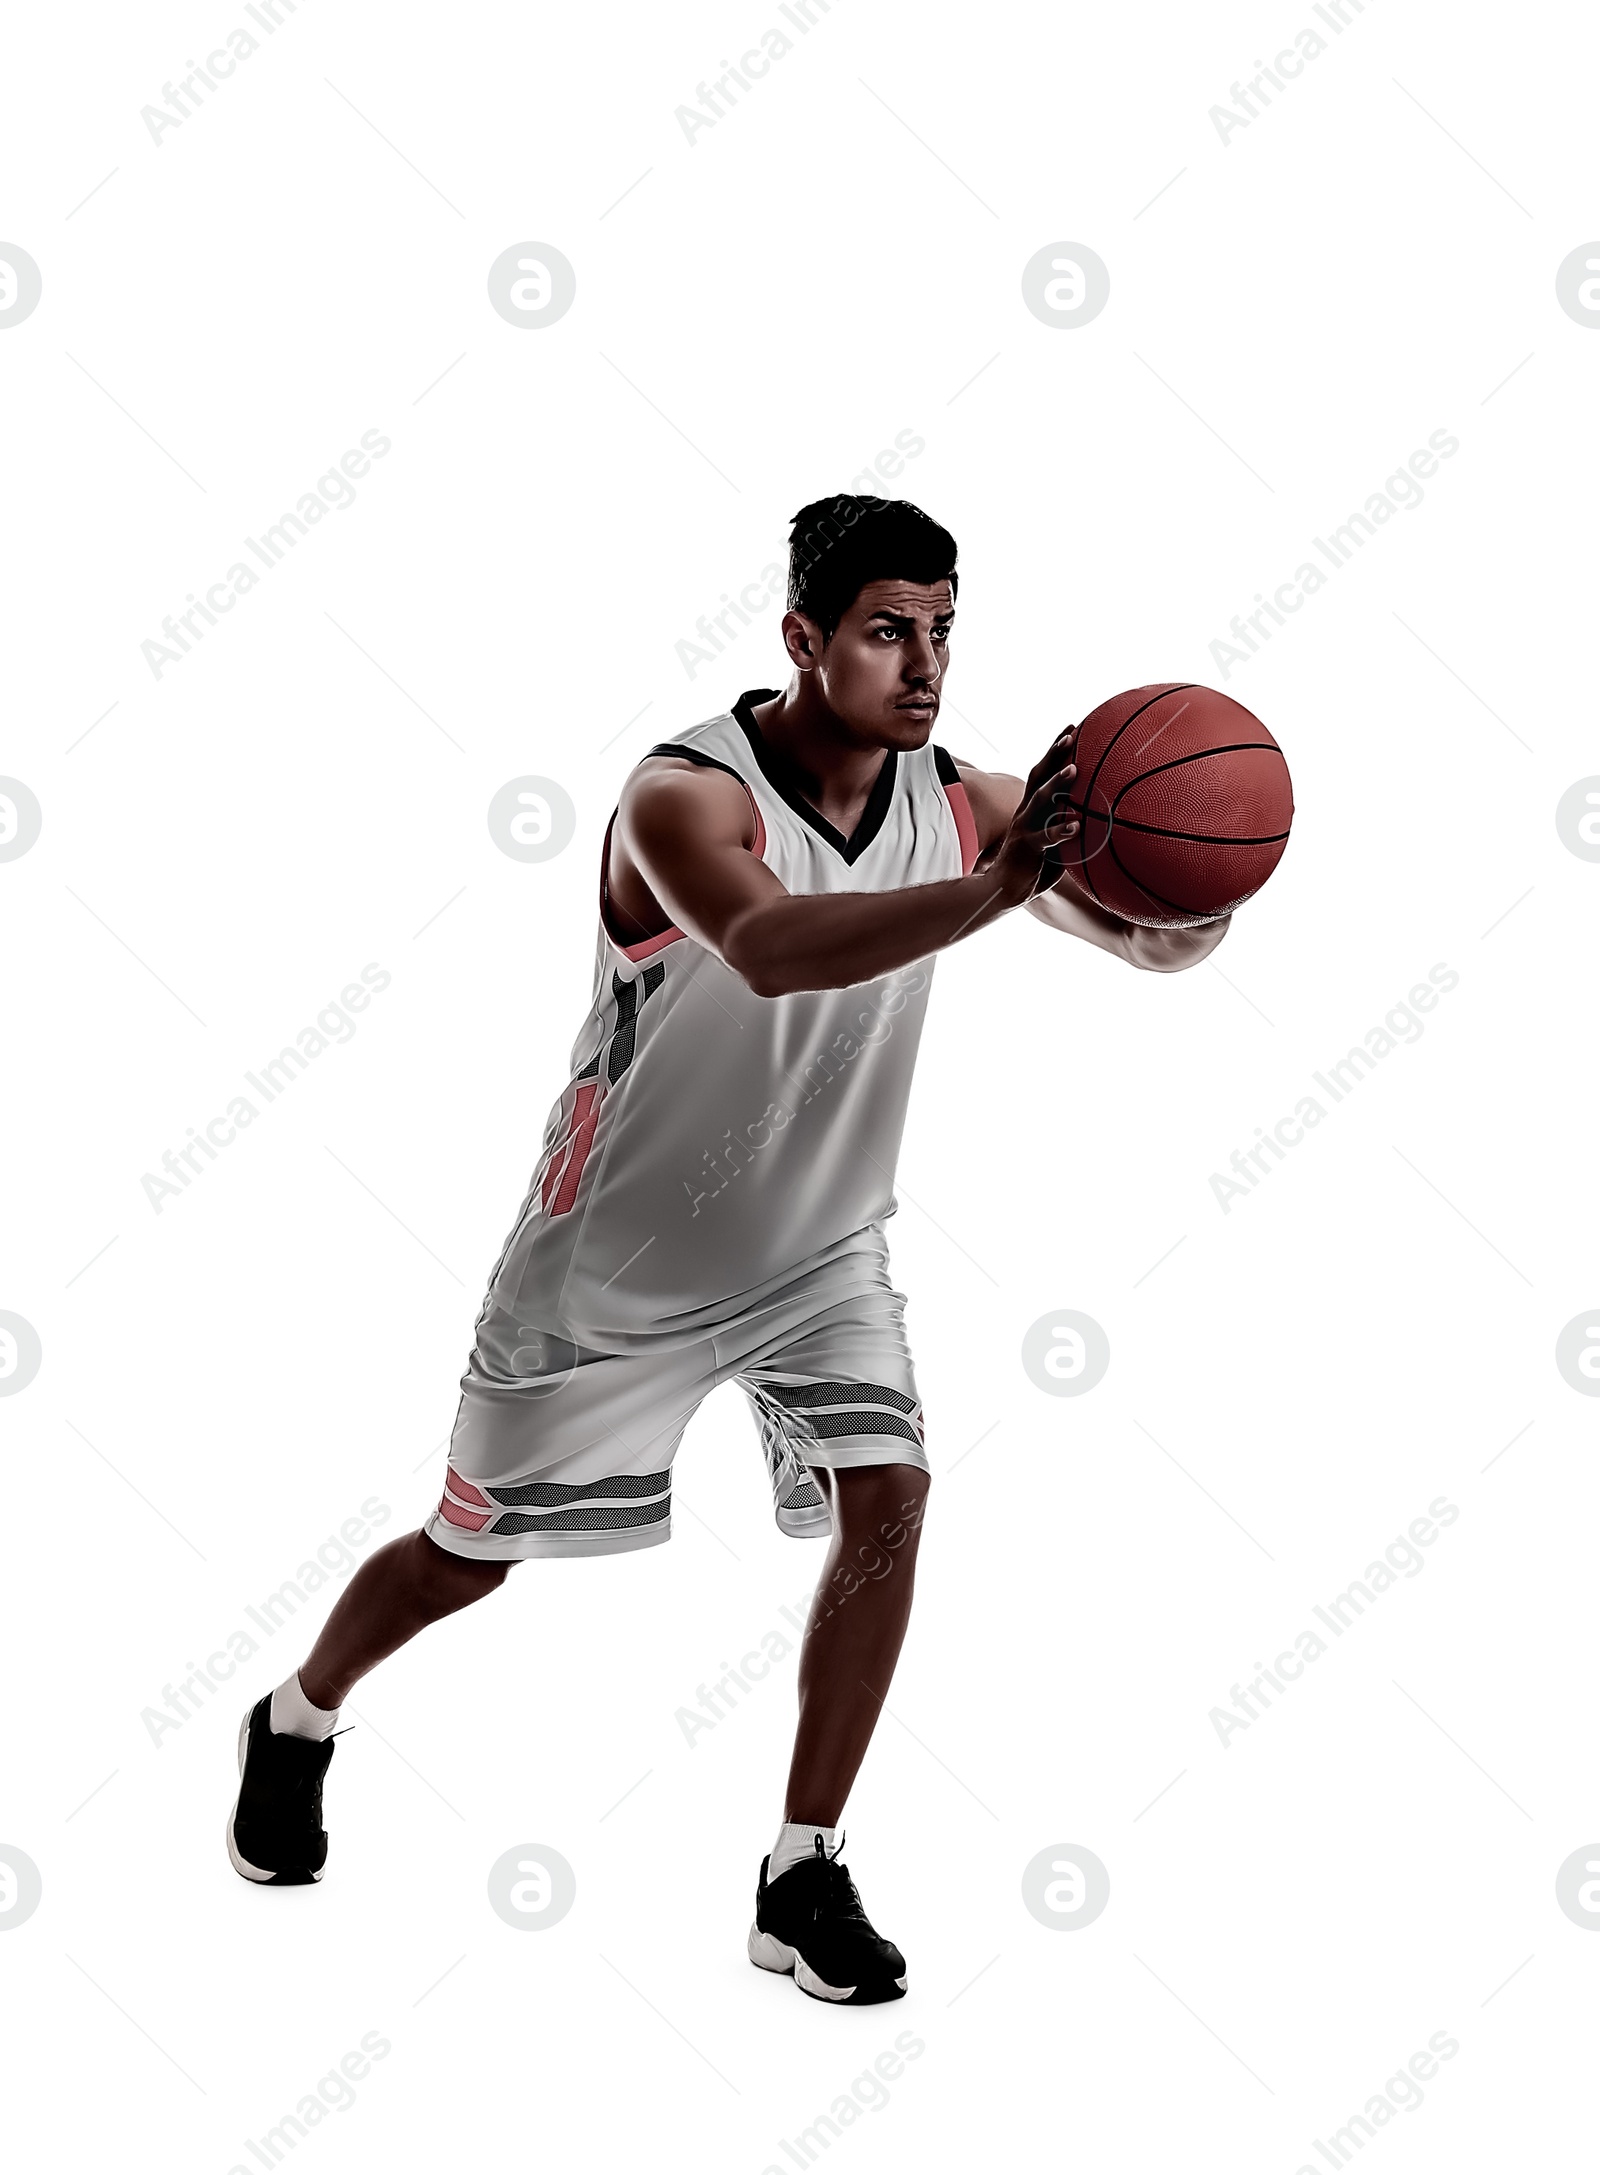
(1183,802)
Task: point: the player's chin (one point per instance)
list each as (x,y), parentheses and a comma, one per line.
(910,724)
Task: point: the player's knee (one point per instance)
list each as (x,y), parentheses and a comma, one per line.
(908,1484)
(882,1502)
(451,1579)
(912,1491)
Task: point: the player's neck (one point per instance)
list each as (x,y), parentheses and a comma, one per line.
(834,769)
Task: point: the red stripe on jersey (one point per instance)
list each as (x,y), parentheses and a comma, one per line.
(650,946)
(558,1190)
(467,1492)
(559,1197)
(966,829)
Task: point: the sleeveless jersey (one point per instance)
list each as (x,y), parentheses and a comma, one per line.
(714,1151)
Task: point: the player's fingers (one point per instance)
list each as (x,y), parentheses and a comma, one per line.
(1049,794)
(1054,781)
(1051,759)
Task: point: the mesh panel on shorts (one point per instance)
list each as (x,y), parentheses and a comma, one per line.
(552,1492)
(585,1521)
(824,1426)
(807,1396)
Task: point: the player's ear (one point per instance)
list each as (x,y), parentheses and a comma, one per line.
(802,638)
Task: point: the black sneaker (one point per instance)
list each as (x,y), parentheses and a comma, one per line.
(275,1831)
(810,1921)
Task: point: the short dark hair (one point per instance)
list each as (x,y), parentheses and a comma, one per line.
(838,545)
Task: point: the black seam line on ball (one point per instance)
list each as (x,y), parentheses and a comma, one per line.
(1233,747)
(1082,843)
(1192,838)
(1230,747)
(1176,762)
(1201,755)
(1145,745)
(1175,905)
(1143,889)
(1204,913)
(1179,687)
(1084,869)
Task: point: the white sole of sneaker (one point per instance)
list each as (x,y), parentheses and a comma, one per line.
(768,1953)
(242,1865)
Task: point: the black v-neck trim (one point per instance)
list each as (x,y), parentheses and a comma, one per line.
(781,775)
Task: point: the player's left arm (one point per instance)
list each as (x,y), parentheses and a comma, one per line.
(994,798)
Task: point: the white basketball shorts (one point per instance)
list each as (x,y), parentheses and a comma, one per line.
(559,1451)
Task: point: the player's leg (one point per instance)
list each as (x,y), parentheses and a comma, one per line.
(809,1918)
(843,1399)
(408,1585)
(275,1832)
(540,1465)
(854,1632)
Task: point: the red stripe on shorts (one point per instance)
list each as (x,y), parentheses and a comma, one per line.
(474,1521)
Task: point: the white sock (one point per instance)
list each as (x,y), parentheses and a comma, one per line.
(292,1714)
(797,1841)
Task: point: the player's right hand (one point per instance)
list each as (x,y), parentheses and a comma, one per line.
(1027,861)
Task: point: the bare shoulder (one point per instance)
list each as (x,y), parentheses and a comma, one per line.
(677,820)
(994,797)
(669,795)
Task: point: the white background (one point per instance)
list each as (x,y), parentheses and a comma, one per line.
(227,1381)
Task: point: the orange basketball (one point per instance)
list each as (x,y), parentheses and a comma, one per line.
(1183,802)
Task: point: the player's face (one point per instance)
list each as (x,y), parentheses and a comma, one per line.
(883,670)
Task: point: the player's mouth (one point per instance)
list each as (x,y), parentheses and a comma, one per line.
(920,705)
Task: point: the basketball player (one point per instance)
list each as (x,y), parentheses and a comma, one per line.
(711,1197)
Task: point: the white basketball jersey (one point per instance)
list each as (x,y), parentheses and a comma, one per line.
(713,1146)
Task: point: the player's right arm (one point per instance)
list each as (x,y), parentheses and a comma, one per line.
(686,835)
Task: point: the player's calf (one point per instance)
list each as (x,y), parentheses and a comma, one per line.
(402,1589)
(275,1832)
